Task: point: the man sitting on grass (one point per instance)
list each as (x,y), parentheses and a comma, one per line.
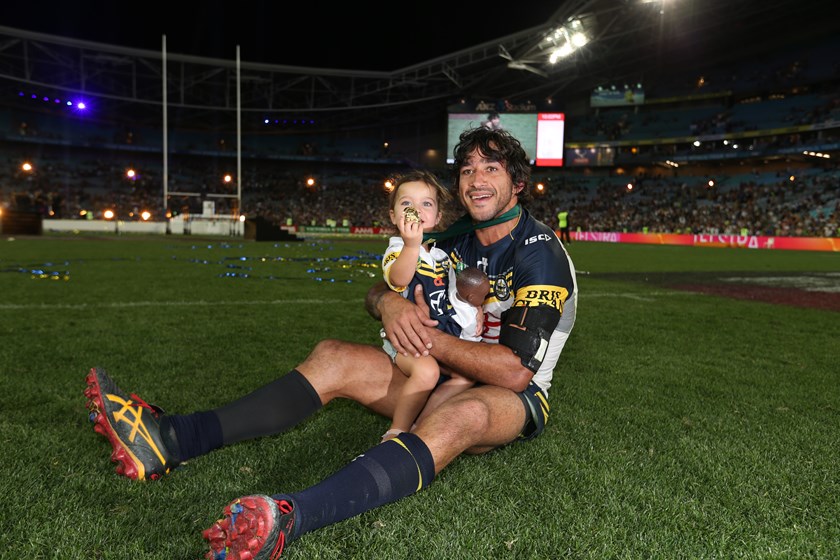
(530,312)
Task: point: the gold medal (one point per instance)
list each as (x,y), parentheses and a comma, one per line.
(411,214)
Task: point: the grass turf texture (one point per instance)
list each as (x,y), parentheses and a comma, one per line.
(682,425)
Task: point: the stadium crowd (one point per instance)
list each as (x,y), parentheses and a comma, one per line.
(787,205)
(800,202)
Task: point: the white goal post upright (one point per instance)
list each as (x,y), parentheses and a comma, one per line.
(165,135)
(238,210)
(236,227)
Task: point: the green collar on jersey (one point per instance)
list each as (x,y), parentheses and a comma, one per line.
(465,224)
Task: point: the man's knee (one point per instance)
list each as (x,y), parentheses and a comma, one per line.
(468,413)
(334,355)
(334,360)
(327,347)
(488,417)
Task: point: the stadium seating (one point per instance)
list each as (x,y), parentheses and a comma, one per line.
(751,134)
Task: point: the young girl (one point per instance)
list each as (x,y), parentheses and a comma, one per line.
(416,206)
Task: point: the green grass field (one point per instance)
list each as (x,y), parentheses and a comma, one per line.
(683,425)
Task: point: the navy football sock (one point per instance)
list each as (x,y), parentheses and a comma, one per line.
(191,435)
(383,474)
(271,409)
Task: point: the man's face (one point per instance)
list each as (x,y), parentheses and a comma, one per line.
(485,187)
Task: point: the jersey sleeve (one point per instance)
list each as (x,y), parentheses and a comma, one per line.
(395,245)
(547,277)
(544,273)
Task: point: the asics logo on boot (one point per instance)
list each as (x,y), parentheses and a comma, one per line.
(132,414)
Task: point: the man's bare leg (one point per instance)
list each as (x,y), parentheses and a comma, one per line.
(359,372)
(442,393)
(474,421)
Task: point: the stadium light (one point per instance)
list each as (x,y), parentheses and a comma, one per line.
(817,154)
(559,43)
(565,40)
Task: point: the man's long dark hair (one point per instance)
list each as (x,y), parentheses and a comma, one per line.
(499,145)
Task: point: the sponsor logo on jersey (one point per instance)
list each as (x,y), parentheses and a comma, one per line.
(542,295)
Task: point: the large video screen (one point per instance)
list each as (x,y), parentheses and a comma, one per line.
(541,134)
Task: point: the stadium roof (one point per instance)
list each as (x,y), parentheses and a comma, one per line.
(630,41)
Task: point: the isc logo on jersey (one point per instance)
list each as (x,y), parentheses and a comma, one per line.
(535,238)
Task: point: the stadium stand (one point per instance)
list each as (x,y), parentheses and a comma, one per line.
(754,130)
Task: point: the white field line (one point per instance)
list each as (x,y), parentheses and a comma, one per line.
(197,303)
(646,296)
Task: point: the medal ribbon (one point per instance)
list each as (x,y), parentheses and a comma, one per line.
(465,224)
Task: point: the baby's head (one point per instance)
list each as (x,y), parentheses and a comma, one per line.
(472,285)
(424,194)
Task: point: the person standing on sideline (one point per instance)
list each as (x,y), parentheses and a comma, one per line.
(563,225)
